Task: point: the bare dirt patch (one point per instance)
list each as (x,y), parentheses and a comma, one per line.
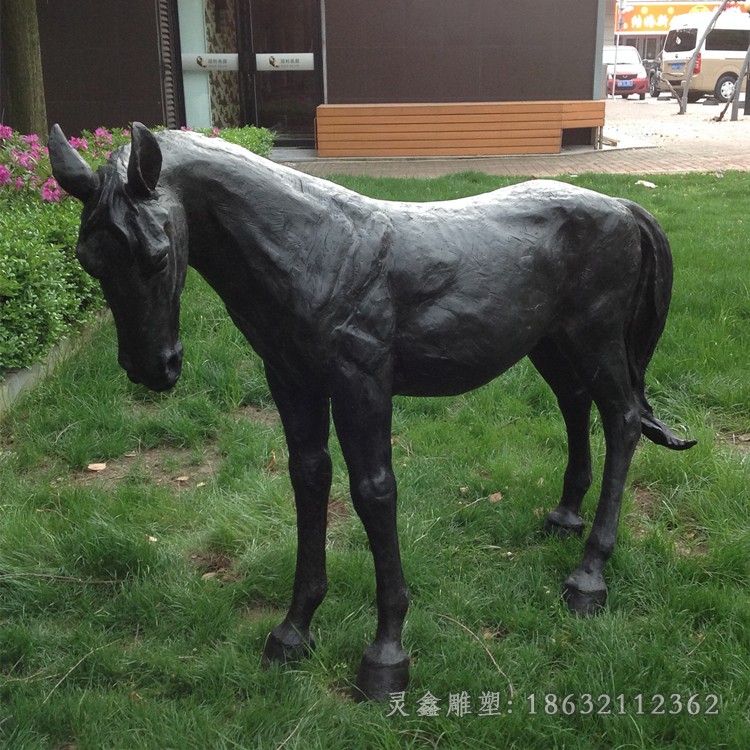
(338,511)
(739,441)
(643,513)
(260,611)
(262,415)
(217,566)
(177,468)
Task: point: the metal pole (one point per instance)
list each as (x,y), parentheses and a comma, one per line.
(616,40)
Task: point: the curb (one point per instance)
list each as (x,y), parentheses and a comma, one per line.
(19,381)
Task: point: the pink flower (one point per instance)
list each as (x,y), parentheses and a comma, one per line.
(4,174)
(20,184)
(215,133)
(26,160)
(30,139)
(80,144)
(102,136)
(6,131)
(51,192)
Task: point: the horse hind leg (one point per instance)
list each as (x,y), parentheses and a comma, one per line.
(575,404)
(603,369)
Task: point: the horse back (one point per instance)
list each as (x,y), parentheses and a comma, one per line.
(475,284)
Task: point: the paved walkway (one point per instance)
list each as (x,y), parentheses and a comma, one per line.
(651,138)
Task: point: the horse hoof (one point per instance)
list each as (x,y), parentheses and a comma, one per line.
(280,651)
(564,524)
(377,682)
(584,599)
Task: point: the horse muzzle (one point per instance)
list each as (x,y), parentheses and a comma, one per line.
(161,373)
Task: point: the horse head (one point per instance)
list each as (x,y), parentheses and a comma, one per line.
(133,240)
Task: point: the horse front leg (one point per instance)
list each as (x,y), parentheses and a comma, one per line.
(362,416)
(305,417)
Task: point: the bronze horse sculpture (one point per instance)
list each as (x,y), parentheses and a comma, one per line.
(350,301)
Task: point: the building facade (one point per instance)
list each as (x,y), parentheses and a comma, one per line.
(205,63)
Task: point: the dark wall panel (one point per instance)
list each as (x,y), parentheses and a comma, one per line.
(100,62)
(459,50)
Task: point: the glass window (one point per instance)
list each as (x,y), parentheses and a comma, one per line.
(653,47)
(734,40)
(681,40)
(621,55)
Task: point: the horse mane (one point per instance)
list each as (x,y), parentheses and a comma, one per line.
(111,203)
(260,170)
(276,190)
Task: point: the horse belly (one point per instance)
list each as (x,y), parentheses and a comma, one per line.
(459,362)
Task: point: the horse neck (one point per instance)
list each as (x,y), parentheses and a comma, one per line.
(249,221)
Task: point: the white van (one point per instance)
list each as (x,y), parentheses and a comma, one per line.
(718,64)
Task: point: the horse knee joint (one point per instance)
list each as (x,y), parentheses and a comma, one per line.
(379,487)
(311,471)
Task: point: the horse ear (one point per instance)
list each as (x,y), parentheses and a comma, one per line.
(144,166)
(70,169)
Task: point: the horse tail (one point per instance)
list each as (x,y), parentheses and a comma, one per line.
(648,320)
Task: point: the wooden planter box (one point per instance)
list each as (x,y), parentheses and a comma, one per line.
(454,129)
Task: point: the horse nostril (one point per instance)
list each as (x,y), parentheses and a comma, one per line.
(173,361)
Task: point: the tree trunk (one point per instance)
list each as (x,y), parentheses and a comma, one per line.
(25,108)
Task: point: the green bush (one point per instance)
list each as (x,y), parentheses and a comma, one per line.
(257,140)
(44,292)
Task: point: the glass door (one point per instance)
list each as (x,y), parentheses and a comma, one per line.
(286,67)
(211,81)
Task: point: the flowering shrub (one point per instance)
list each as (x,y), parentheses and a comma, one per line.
(25,167)
(44,292)
(24,160)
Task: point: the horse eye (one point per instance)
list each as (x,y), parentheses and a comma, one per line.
(161,263)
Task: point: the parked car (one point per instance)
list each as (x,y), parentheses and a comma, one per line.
(626,73)
(720,56)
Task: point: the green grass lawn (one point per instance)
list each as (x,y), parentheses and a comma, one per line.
(135,601)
